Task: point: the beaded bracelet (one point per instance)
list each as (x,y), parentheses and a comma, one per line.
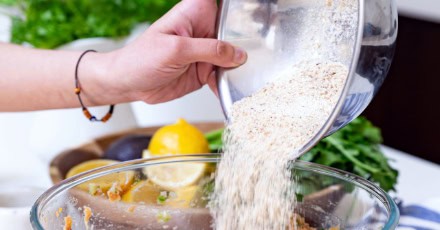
(78,93)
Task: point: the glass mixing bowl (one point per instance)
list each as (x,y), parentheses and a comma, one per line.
(327,198)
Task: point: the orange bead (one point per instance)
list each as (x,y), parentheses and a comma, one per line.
(87,113)
(77,90)
(106,117)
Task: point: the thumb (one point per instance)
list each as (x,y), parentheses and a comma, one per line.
(212,51)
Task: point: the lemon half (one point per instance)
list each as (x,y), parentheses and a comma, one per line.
(178,138)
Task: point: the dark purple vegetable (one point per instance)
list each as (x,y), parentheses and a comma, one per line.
(127,148)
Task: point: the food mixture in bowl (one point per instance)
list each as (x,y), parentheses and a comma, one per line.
(145,202)
(326,198)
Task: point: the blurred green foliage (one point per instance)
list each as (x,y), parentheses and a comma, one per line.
(8,2)
(50,23)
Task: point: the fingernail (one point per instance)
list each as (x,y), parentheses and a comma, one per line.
(239,55)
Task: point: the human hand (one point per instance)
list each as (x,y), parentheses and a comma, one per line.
(174,57)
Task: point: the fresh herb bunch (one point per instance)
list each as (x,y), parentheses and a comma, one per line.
(355,149)
(50,23)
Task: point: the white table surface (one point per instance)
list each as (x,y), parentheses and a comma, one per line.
(419,180)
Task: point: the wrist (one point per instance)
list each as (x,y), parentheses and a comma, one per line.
(99,86)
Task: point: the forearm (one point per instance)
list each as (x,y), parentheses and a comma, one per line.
(32,79)
(174,57)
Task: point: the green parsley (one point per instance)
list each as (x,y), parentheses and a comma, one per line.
(51,23)
(355,148)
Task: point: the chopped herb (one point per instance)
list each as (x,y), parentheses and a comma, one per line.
(163,217)
(137,179)
(208,189)
(299,197)
(162,198)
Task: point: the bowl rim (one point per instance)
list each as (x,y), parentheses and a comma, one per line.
(368,186)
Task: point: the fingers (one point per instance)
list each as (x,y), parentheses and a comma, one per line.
(212,51)
(212,83)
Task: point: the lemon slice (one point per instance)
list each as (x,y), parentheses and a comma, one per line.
(144,191)
(148,193)
(173,176)
(184,197)
(104,183)
(88,165)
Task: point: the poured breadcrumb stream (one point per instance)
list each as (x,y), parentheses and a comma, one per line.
(253,187)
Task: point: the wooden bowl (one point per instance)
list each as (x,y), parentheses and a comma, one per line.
(95,149)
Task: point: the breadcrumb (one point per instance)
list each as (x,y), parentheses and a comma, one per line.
(131,208)
(87,215)
(67,223)
(329,3)
(94,189)
(114,193)
(298,222)
(57,213)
